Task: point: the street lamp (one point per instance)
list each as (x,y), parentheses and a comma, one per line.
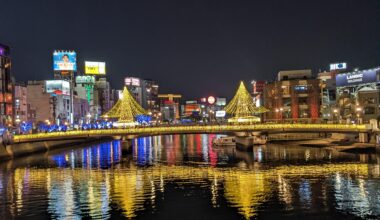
(358,113)
(335,111)
(88,117)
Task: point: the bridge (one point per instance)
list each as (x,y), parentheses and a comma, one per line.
(242,122)
(194,129)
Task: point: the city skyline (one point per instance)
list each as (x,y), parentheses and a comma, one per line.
(204,42)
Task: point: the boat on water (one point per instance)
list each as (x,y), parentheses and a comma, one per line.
(224,141)
(248,141)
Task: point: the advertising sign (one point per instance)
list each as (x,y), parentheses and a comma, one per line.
(64,61)
(338,66)
(131,81)
(85,79)
(57,85)
(220,114)
(221,101)
(355,78)
(94,68)
(211,100)
(2,51)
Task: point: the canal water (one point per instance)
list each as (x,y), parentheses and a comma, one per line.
(185,177)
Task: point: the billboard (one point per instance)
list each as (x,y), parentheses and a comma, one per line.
(85,79)
(131,81)
(57,86)
(220,114)
(94,68)
(355,78)
(64,60)
(221,101)
(338,66)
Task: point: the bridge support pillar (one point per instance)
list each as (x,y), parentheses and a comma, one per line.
(126,145)
(363,138)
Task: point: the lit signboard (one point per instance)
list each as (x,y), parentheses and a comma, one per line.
(55,86)
(220,114)
(355,78)
(85,79)
(338,66)
(221,101)
(94,68)
(2,51)
(191,102)
(131,81)
(64,61)
(211,100)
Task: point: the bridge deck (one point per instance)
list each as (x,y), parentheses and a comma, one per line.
(144,131)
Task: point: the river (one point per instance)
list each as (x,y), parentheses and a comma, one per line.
(185,177)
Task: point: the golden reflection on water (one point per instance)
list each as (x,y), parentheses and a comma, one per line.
(130,186)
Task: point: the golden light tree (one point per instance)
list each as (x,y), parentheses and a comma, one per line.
(242,106)
(126,109)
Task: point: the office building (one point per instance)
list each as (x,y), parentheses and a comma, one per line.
(294,96)
(357,95)
(49,100)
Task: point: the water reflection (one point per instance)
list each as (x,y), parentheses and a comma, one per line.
(98,182)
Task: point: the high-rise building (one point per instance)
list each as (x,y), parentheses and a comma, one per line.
(145,91)
(20,103)
(84,89)
(149,95)
(294,96)
(102,96)
(6,87)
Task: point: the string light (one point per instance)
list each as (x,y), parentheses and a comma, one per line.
(125,109)
(242,106)
(192,129)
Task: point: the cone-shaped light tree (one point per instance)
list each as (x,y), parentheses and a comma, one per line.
(242,104)
(126,109)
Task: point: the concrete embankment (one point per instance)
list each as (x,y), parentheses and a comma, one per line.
(21,149)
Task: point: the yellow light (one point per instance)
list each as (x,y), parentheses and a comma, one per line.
(130,130)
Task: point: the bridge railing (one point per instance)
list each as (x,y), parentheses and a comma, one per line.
(192,129)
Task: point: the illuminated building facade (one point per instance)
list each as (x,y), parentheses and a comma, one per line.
(358,95)
(145,91)
(6,87)
(169,106)
(192,107)
(102,96)
(257,92)
(20,103)
(294,96)
(84,90)
(50,100)
(328,95)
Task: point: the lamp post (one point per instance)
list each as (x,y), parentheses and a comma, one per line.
(335,111)
(88,117)
(358,114)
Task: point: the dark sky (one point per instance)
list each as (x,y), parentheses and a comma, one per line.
(195,48)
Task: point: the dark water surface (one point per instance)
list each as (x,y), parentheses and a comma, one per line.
(184,177)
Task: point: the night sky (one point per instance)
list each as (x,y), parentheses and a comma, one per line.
(195,48)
